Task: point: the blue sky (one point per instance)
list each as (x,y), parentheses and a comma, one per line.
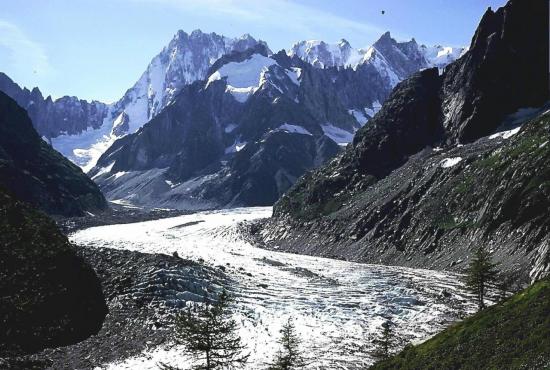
(96,49)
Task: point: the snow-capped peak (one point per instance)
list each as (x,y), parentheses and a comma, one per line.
(323,55)
(244,77)
(187,58)
(394,60)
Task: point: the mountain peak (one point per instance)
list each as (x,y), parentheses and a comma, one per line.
(386,36)
(344,43)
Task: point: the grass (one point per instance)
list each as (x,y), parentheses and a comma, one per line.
(514,334)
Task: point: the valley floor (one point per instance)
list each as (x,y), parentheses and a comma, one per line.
(338,306)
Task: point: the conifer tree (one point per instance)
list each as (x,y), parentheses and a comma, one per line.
(210,335)
(289,356)
(386,342)
(481,272)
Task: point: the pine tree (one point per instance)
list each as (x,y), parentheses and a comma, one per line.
(209,334)
(289,356)
(481,272)
(386,342)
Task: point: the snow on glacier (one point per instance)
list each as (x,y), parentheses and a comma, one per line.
(243,78)
(338,306)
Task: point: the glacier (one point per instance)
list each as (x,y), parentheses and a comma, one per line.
(338,306)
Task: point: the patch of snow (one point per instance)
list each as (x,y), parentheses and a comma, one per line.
(243,78)
(359,116)
(119,174)
(505,134)
(103,171)
(294,75)
(376,106)
(85,148)
(237,146)
(337,134)
(293,129)
(450,162)
(230,127)
(441,56)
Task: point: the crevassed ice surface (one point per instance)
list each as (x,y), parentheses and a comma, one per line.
(338,306)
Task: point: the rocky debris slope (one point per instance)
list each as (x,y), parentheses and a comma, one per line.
(67,115)
(36,173)
(49,296)
(143,292)
(433,211)
(385,200)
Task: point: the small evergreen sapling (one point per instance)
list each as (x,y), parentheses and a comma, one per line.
(386,342)
(289,356)
(210,335)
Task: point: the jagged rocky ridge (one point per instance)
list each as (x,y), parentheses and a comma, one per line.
(255,122)
(388,198)
(36,173)
(49,296)
(67,115)
(397,58)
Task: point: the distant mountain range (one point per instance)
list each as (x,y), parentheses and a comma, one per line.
(82,130)
(264,119)
(258,121)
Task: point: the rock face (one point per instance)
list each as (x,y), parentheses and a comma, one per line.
(36,173)
(49,296)
(64,116)
(381,202)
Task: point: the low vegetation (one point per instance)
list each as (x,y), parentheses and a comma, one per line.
(514,334)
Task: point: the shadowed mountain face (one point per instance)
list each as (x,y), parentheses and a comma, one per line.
(386,198)
(49,296)
(36,173)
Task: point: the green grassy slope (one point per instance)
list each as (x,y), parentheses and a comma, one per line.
(512,335)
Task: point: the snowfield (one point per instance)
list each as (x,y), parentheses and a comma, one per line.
(338,306)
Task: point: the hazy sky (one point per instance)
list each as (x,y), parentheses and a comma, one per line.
(96,49)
